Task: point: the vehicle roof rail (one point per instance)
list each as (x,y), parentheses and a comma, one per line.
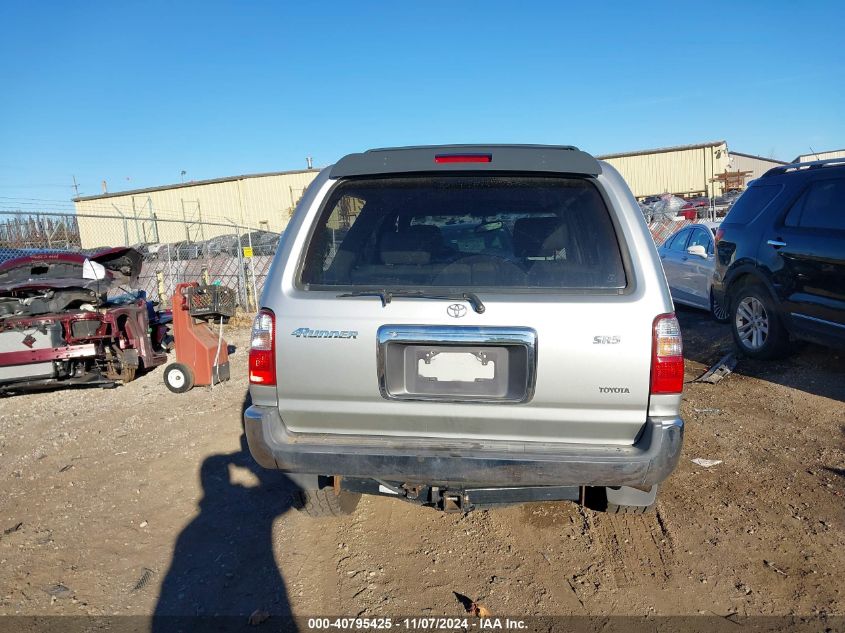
(796,167)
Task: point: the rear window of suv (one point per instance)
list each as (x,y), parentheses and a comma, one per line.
(463,232)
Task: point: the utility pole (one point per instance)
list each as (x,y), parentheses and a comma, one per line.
(75,186)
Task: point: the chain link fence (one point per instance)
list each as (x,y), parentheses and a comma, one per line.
(236,256)
(664,228)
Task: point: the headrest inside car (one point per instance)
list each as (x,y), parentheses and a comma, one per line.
(539,237)
(415,245)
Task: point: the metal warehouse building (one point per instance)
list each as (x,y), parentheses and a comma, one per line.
(685,170)
(806,158)
(199,210)
(191,211)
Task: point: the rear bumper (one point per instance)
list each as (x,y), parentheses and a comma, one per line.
(648,462)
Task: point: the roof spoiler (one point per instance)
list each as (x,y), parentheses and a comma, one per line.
(563,159)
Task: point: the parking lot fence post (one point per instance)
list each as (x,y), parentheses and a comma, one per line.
(252,272)
(162,296)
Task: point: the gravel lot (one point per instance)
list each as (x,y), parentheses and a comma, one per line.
(135,500)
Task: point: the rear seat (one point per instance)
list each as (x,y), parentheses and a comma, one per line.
(405,255)
(545,247)
(480,270)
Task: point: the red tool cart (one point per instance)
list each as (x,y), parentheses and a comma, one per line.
(202,355)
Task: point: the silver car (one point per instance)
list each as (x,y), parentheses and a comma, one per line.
(460,326)
(689,260)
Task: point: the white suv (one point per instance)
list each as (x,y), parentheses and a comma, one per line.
(459,326)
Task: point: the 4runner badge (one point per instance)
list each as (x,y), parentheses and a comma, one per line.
(304,332)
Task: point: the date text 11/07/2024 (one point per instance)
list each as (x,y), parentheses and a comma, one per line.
(418,624)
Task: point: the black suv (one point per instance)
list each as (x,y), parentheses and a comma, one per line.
(780,262)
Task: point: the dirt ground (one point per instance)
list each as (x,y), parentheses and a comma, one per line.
(137,501)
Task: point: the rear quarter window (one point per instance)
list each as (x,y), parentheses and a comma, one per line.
(821,206)
(751,203)
(463,232)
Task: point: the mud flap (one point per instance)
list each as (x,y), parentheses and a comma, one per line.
(626,496)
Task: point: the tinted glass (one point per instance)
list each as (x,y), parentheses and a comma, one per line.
(751,203)
(678,243)
(793,216)
(822,206)
(464,232)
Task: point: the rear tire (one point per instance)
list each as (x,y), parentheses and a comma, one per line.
(756,326)
(178,378)
(326,502)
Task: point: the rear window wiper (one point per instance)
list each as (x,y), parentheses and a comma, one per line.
(384,295)
(387,295)
(469,297)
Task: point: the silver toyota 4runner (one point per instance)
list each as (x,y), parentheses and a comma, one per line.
(460,326)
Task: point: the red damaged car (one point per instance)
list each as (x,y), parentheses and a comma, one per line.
(72,319)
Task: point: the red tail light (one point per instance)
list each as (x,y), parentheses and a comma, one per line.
(667,356)
(463,158)
(262,349)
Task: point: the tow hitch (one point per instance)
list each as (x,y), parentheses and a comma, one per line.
(449,501)
(460,499)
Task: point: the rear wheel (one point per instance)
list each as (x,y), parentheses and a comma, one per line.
(326,502)
(756,326)
(178,378)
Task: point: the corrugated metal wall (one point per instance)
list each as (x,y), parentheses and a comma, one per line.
(806,158)
(755,164)
(174,214)
(682,171)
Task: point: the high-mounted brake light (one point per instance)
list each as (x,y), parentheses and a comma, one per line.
(463,158)
(262,357)
(667,356)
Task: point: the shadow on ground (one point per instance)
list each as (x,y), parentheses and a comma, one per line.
(811,368)
(223,562)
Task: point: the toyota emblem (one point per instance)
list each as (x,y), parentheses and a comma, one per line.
(456,310)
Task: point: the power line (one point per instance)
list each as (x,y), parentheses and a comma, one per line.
(39,199)
(31,186)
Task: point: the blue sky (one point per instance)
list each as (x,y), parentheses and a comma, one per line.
(134,93)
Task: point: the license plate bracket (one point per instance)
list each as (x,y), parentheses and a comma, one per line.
(457,364)
(464,365)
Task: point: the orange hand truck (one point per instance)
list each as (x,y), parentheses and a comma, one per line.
(202,357)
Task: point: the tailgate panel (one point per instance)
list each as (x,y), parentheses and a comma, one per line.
(583,391)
